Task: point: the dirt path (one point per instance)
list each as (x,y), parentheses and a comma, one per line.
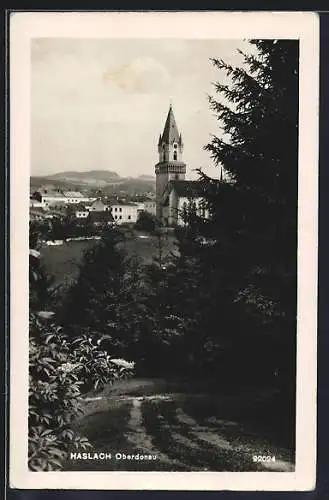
(175,430)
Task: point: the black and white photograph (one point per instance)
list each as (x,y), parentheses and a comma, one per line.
(170,256)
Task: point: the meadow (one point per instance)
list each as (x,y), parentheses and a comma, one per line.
(63,261)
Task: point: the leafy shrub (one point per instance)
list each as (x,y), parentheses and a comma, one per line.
(147,222)
(96,368)
(40,282)
(60,371)
(54,390)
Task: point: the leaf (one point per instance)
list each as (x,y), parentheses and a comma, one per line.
(46,432)
(34,253)
(45,314)
(56,462)
(49,337)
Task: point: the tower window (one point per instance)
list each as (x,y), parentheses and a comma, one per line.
(175,146)
(175,155)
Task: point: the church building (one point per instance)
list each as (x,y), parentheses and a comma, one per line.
(174,194)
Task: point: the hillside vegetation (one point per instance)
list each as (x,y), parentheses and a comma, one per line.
(110,182)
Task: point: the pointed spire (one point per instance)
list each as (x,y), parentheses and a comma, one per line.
(160,138)
(170,131)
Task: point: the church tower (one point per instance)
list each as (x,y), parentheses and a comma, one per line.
(170,166)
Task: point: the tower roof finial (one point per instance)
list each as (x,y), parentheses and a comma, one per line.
(170,132)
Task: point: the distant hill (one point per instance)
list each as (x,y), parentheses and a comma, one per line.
(36,182)
(146,177)
(108,181)
(91,177)
(130,186)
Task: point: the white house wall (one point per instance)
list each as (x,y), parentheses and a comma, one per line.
(48,200)
(150,207)
(125,213)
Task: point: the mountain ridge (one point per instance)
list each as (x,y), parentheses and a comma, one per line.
(102,175)
(106,180)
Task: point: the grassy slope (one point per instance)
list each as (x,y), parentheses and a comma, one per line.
(187,427)
(63,261)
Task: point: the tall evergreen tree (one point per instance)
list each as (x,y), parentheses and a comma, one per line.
(250,272)
(93,299)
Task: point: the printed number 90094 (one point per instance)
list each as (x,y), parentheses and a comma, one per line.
(263,458)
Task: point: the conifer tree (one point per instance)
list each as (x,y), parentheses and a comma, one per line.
(92,301)
(106,302)
(251,270)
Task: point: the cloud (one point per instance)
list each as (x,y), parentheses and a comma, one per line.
(142,75)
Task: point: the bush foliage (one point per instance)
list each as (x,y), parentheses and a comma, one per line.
(147,222)
(61,370)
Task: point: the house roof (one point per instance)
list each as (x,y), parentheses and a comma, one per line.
(125,204)
(73,194)
(170,131)
(101,216)
(52,194)
(98,201)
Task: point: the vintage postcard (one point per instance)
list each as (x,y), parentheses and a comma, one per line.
(164,171)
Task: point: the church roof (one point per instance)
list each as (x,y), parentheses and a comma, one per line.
(187,189)
(170,131)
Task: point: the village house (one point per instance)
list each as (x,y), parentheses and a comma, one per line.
(77,197)
(81,214)
(35,203)
(51,197)
(150,206)
(98,206)
(123,213)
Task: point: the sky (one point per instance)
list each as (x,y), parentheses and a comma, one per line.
(102,103)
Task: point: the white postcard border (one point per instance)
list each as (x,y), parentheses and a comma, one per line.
(195,25)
